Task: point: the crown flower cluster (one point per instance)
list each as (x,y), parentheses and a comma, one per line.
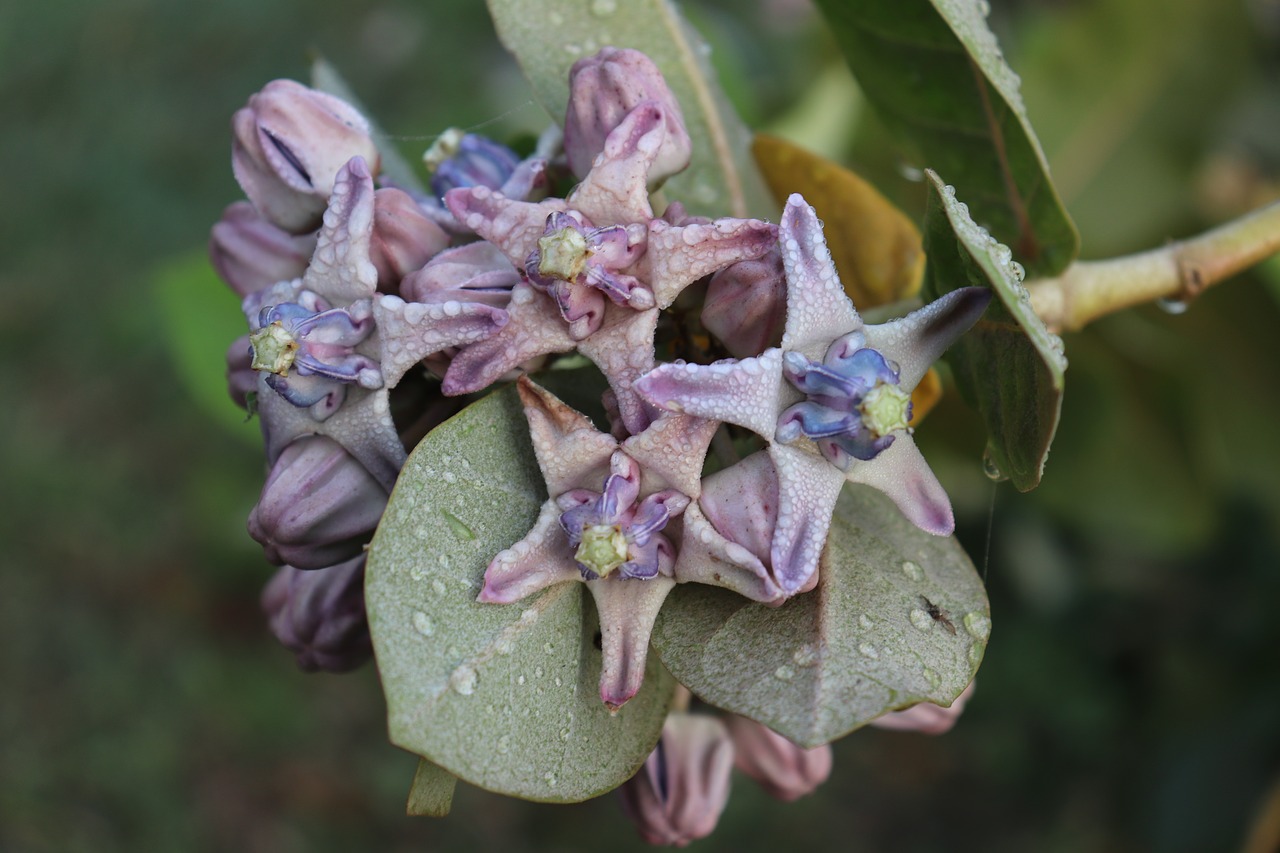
(376,312)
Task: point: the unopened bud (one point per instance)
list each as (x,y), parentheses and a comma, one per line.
(319,505)
(404,238)
(319,615)
(242,379)
(250,253)
(925,718)
(679,793)
(287,147)
(603,89)
(786,772)
(460,159)
(746,305)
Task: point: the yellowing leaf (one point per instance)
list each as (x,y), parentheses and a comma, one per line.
(876,248)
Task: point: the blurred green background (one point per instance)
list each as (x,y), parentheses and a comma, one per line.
(1129,700)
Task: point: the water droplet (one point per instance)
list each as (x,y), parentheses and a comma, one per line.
(528,617)
(504,744)
(437,586)
(990,468)
(520,680)
(978,624)
(976,651)
(564,733)
(558,681)
(604,8)
(932,677)
(868,650)
(463,680)
(806,655)
(453,652)
(503,645)
(421,531)
(551,778)
(422,624)
(538,672)
(1172,306)
(921,620)
(455,524)
(865,621)
(449,477)
(784,673)
(548,648)
(1019,271)
(913,571)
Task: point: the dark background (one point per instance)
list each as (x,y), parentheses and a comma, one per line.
(1129,700)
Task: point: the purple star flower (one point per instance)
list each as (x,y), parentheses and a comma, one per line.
(611,522)
(833,401)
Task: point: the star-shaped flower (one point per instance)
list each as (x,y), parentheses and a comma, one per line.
(599,266)
(328,348)
(612,522)
(833,401)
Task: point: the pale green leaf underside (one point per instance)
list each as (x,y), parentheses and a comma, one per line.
(548,36)
(936,74)
(862,644)
(1009,366)
(505,697)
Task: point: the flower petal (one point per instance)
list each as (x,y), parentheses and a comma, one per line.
(671,452)
(748,392)
(818,311)
(571,451)
(539,560)
(411,331)
(340,269)
(513,226)
(920,338)
(808,487)
(901,473)
(627,609)
(681,254)
(616,189)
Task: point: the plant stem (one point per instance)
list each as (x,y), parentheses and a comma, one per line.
(682,698)
(1179,271)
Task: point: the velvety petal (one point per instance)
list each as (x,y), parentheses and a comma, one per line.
(411,331)
(681,254)
(808,419)
(319,615)
(571,452)
(786,772)
(621,488)
(340,269)
(708,557)
(616,189)
(627,609)
(476,272)
(671,452)
(808,487)
(623,350)
(251,253)
(748,392)
(920,338)
(901,473)
(746,305)
(404,238)
(513,226)
(539,560)
(818,311)
(534,328)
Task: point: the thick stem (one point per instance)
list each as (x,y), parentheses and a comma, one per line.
(1179,271)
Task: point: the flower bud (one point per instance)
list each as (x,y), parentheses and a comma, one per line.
(319,505)
(746,305)
(250,253)
(460,159)
(925,718)
(475,272)
(603,89)
(242,379)
(403,237)
(287,147)
(679,793)
(786,772)
(319,615)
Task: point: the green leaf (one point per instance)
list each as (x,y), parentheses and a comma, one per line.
(505,697)
(548,36)
(432,791)
(1008,366)
(936,75)
(327,78)
(199,318)
(861,644)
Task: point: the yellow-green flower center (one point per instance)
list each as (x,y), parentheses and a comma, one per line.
(273,349)
(885,408)
(603,548)
(563,254)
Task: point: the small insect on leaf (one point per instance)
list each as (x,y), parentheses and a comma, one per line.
(938,614)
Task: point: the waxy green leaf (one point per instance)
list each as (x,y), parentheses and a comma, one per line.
(1008,366)
(898,617)
(505,697)
(431,794)
(548,36)
(936,75)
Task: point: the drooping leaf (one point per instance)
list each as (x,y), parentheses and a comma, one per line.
(548,36)
(327,78)
(1008,366)
(935,73)
(199,318)
(899,617)
(505,697)
(876,248)
(432,792)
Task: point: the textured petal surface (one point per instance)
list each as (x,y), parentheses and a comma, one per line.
(708,557)
(623,350)
(920,338)
(902,474)
(671,452)
(628,609)
(513,226)
(340,269)
(411,331)
(616,189)
(818,311)
(808,487)
(681,254)
(571,452)
(539,560)
(749,392)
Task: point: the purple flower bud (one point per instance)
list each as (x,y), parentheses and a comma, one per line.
(242,379)
(460,159)
(250,253)
(746,305)
(603,89)
(319,615)
(925,718)
(476,272)
(288,145)
(679,793)
(786,772)
(403,239)
(319,506)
